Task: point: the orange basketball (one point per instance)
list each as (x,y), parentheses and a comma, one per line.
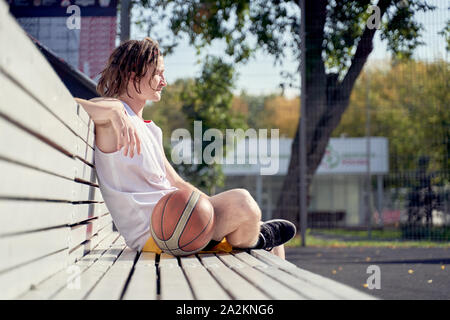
(182,222)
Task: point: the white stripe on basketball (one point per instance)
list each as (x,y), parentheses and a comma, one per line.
(172,243)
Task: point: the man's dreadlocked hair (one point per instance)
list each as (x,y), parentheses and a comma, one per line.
(131,56)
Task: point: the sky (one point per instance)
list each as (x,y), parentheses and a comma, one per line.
(260,76)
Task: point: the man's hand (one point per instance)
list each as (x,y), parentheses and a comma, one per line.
(114,130)
(125,132)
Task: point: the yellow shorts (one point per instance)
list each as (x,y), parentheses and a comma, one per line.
(223,246)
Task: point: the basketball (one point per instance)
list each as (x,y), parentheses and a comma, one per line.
(182,222)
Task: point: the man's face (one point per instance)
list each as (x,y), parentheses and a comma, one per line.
(152,92)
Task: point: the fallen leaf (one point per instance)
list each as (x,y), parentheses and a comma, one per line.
(430,281)
(334,272)
(365,285)
(410,271)
(443,267)
(368,259)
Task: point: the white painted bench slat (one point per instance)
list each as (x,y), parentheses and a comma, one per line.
(204,286)
(143,282)
(337,288)
(24,216)
(23,248)
(269,286)
(20,56)
(111,286)
(23,182)
(304,288)
(85,211)
(51,286)
(92,275)
(34,116)
(19,280)
(84,248)
(174,285)
(234,284)
(18,145)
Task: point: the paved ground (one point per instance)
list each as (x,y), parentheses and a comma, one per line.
(406,273)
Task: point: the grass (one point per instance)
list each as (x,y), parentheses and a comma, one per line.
(375,234)
(380,238)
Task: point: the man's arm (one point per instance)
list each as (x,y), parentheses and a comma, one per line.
(113,130)
(177,181)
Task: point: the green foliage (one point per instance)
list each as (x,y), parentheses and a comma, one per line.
(409,106)
(207,99)
(446,33)
(274,26)
(400,29)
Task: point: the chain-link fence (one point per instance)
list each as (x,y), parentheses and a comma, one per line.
(397,115)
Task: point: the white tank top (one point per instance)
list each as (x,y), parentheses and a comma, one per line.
(131,187)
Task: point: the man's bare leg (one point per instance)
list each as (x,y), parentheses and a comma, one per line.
(279,251)
(238,217)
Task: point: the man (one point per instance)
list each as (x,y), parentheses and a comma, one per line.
(133,182)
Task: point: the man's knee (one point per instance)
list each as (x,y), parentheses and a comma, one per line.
(248,205)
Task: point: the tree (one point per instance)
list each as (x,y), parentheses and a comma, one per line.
(338,43)
(285,113)
(409,106)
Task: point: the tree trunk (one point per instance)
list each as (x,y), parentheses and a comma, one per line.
(326,101)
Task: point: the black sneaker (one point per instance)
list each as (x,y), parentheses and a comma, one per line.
(276,232)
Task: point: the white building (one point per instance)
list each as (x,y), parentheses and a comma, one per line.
(339,183)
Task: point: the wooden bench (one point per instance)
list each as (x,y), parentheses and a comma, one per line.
(57,239)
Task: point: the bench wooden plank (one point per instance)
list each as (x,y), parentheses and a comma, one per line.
(174,285)
(21,56)
(272,288)
(82,232)
(48,288)
(85,211)
(86,192)
(143,282)
(341,290)
(84,171)
(21,278)
(24,216)
(85,151)
(113,283)
(236,286)
(23,248)
(85,247)
(204,286)
(85,231)
(83,115)
(89,277)
(91,132)
(18,145)
(42,123)
(305,289)
(27,183)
